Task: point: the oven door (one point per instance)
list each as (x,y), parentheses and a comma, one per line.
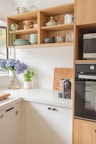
(85,99)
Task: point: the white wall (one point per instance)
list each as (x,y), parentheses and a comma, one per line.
(6,8)
(50,3)
(44,60)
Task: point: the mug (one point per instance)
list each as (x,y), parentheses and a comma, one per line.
(68,18)
(33,38)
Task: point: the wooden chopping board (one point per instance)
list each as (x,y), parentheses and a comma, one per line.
(4,95)
(59,73)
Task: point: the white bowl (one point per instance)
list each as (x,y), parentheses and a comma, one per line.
(50,23)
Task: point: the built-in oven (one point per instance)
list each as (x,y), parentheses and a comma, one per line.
(85,91)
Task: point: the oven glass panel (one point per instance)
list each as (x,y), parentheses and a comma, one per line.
(90,96)
(85,99)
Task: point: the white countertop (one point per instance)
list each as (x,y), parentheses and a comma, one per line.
(46,96)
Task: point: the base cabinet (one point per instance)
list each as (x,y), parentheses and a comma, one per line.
(84,132)
(45,124)
(9,125)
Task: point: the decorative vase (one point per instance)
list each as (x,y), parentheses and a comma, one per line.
(13,80)
(27,84)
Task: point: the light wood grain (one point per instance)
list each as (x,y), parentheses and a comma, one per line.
(41,17)
(84,132)
(4,95)
(59,73)
(58,27)
(85,11)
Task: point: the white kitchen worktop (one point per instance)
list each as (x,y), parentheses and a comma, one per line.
(45,96)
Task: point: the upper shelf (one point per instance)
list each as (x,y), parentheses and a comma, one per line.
(26,31)
(40,18)
(58,27)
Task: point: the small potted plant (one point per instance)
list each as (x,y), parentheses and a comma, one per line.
(27,79)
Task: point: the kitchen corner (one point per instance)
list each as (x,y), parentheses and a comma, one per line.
(46,96)
(35,112)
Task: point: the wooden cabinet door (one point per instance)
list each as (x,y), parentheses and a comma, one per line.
(62,125)
(38,123)
(75,132)
(85,11)
(84,132)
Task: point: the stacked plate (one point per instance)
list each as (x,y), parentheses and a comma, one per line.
(21,42)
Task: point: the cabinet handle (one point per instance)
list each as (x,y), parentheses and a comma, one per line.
(2,115)
(95,130)
(54,109)
(49,108)
(9,109)
(16,112)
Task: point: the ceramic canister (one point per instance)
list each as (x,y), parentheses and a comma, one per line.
(33,38)
(68,18)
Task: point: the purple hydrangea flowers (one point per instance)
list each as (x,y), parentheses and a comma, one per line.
(13,65)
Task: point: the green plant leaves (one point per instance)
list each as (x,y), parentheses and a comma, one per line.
(28,75)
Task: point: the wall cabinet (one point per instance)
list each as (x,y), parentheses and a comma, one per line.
(85,12)
(47,124)
(9,125)
(85,23)
(84,132)
(41,17)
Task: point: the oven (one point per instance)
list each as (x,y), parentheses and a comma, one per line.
(85,91)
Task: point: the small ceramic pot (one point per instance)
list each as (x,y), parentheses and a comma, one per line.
(27,24)
(27,85)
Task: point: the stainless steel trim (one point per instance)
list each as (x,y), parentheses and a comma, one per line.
(89,55)
(87,77)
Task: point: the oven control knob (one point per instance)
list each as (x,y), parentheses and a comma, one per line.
(92,67)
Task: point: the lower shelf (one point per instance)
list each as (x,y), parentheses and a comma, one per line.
(45,45)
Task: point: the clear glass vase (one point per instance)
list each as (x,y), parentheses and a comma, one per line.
(13,81)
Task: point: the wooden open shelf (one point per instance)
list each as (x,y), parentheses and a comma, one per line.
(27,31)
(24,16)
(85,61)
(58,27)
(40,17)
(45,45)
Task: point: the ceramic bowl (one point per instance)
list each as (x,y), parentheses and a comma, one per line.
(50,23)
(49,40)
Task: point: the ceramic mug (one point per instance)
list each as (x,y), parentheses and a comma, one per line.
(33,38)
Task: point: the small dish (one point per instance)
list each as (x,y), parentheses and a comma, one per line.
(49,40)
(51,22)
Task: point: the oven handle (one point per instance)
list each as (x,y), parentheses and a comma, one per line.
(87,77)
